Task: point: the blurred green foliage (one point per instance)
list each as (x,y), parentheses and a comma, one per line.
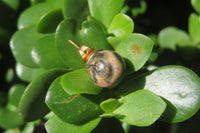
(46,86)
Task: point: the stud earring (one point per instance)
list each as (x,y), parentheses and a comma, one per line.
(105,68)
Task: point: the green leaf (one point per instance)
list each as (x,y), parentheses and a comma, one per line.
(28,128)
(121,25)
(177,85)
(125,9)
(45,53)
(48,116)
(10,119)
(104,11)
(141,9)
(126,127)
(12,130)
(170,36)
(15,94)
(21,45)
(34,2)
(14,4)
(115,41)
(91,35)
(49,21)
(85,84)
(154,37)
(75,106)
(108,115)
(26,73)
(181,87)
(55,125)
(194,27)
(196,5)
(9,75)
(109,105)
(140,108)
(32,105)
(70,55)
(55,3)
(135,49)
(74,9)
(32,15)
(79,14)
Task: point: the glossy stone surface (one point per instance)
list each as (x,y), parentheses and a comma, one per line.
(105,68)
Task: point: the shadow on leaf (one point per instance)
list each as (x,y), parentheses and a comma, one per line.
(169,112)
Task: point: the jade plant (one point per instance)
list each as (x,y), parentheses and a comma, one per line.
(57,89)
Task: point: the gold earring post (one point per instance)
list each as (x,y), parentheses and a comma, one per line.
(73,43)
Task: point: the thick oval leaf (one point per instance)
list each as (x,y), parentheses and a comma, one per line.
(32,15)
(85,84)
(179,87)
(135,49)
(169,37)
(33,2)
(194,27)
(32,105)
(49,21)
(55,3)
(121,25)
(69,53)
(21,45)
(70,6)
(55,125)
(105,11)
(73,108)
(15,94)
(109,105)
(93,35)
(196,5)
(81,12)
(26,73)
(45,53)
(140,108)
(10,119)
(115,41)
